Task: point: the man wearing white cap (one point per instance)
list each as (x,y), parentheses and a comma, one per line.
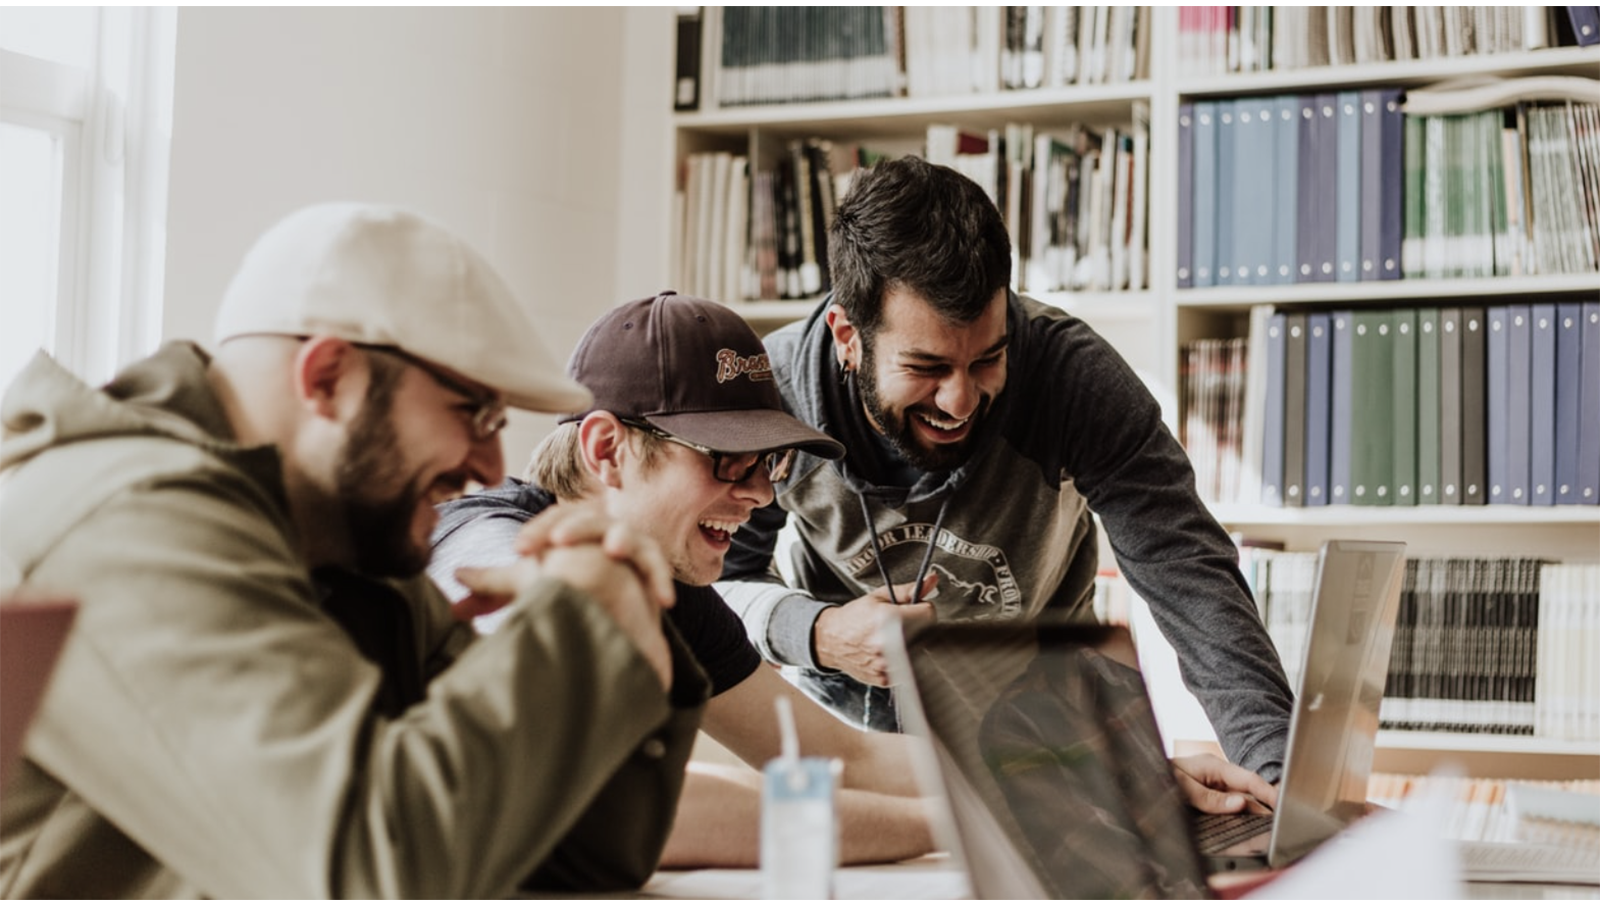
(264,694)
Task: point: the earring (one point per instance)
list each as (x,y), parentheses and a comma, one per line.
(844,371)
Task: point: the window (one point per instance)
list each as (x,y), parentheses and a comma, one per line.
(85,126)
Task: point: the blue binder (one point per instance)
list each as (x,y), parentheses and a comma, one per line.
(1569,409)
(1186,188)
(1542,405)
(1347,230)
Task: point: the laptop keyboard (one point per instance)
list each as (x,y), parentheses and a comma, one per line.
(1215,831)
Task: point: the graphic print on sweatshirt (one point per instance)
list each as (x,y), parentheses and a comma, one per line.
(975,580)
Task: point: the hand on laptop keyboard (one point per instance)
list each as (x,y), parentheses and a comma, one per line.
(1214,785)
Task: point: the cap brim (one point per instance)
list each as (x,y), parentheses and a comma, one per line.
(551,396)
(748,431)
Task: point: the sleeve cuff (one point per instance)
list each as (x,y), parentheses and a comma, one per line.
(791,629)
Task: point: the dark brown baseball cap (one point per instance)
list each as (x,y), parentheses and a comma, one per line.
(694,369)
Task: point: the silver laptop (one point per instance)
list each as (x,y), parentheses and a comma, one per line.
(1046,751)
(33,631)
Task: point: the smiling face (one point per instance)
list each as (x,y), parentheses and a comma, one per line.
(674,497)
(411,447)
(927,384)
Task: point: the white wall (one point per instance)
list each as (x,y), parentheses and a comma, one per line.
(521,128)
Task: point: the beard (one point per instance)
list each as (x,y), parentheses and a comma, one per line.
(378,518)
(896,424)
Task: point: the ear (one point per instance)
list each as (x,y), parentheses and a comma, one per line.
(603,439)
(846,339)
(329,375)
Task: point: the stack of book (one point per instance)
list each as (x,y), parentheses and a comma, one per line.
(740,56)
(1494,645)
(1074,202)
(1294,188)
(1218,39)
(1400,407)
(1484,809)
(1465,647)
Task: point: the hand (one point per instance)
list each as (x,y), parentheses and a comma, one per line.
(1214,785)
(571,524)
(849,637)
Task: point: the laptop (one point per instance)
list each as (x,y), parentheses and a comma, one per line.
(32,633)
(1045,748)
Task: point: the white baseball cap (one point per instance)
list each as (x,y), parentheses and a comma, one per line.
(380,275)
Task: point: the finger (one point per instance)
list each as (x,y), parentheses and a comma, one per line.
(1205,799)
(474,605)
(498,581)
(647,558)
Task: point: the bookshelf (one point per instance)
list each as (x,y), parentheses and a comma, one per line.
(1151,325)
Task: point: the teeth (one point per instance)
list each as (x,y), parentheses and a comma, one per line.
(727,526)
(944,425)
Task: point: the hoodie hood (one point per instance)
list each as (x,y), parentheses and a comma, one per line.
(164,395)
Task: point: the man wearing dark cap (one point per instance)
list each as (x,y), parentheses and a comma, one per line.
(264,695)
(685,438)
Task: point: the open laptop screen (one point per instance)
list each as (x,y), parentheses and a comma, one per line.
(1048,753)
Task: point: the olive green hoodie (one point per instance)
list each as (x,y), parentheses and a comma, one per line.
(213,730)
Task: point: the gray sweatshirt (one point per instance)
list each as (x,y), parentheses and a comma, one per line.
(1075,437)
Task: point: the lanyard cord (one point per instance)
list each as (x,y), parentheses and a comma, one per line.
(927,556)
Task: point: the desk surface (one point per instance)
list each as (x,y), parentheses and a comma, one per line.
(936,877)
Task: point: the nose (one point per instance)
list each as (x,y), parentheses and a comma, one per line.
(958,395)
(486,462)
(757,488)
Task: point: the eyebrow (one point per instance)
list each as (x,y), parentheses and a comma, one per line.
(924,357)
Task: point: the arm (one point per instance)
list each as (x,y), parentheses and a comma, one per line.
(719,823)
(744,720)
(880,817)
(1136,476)
(225,724)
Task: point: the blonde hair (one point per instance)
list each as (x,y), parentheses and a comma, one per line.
(557,463)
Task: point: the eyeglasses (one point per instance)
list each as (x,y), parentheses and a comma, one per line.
(486,414)
(730,468)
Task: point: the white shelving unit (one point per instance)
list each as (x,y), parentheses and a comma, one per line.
(1150,326)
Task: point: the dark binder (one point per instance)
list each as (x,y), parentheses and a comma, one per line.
(1569,409)
(1319,403)
(1392,157)
(1474,414)
(1428,460)
(1186,189)
(1542,405)
(686,87)
(1403,331)
(1272,418)
(1585,21)
(1340,409)
(1347,228)
(1294,411)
